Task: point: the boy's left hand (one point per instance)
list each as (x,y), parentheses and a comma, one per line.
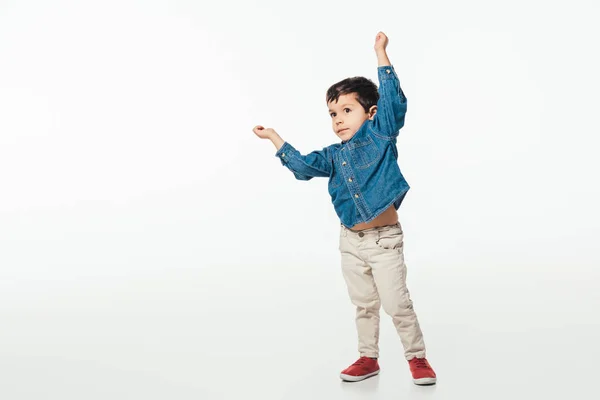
(381,42)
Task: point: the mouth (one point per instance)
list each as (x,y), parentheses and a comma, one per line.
(343,130)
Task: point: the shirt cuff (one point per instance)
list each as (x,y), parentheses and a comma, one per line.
(386,72)
(284,152)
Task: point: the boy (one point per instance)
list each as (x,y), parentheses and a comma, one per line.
(367,188)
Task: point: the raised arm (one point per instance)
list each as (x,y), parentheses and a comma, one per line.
(381,42)
(305,167)
(391,107)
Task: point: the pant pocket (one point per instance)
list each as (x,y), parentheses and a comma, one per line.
(391,239)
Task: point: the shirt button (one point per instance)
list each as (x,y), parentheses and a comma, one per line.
(282,154)
(356,196)
(344,163)
(349,179)
(388,71)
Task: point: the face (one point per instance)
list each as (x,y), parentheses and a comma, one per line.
(347,116)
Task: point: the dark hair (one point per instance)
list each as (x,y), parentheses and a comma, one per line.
(365,90)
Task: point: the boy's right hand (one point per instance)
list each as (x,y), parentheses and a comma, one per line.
(264,133)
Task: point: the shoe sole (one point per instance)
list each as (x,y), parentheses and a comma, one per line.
(425,381)
(351,378)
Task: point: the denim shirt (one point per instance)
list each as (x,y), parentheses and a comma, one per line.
(364,176)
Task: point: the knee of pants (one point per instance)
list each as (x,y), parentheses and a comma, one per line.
(367,305)
(398,305)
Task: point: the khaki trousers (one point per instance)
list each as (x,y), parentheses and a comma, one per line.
(375,273)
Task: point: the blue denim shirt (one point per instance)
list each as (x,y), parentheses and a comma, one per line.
(364,176)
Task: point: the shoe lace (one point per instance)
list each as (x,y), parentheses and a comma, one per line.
(420,363)
(360,361)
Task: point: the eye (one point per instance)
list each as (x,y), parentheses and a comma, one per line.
(347,110)
(332,115)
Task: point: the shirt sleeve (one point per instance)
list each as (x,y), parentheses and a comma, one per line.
(391,106)
(305,167)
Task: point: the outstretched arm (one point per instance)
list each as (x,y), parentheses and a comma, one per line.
(269,133)
(304,167)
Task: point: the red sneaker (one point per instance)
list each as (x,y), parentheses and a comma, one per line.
(363,368)
(421,371)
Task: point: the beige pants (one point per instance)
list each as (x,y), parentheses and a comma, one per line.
(375,273)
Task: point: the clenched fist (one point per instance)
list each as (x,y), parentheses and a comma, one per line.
(381,41)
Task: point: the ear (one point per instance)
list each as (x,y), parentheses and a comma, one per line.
(372,112)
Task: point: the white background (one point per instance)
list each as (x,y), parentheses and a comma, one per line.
(152,247)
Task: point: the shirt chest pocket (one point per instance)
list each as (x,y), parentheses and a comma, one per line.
(364,153)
